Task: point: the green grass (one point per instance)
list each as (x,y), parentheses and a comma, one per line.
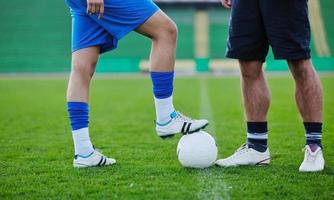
(36,146)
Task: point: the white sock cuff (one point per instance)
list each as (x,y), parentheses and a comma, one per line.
(82,143)
(261,136)
(163,101)
(81,131)
(164,107)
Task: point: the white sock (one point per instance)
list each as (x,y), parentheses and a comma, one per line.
(82,143)
(163,108)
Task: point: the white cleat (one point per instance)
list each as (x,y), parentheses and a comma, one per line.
(180,124)
(245,156)
(313,160)
(96,159)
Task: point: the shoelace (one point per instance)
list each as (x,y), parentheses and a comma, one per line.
(182,116)
(240,150)
(243,146)
(310,157)
(99,152)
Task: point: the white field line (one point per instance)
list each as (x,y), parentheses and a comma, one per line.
(201,34)
(212,187)
(318,29)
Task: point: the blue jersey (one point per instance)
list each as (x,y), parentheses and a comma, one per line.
(120,18)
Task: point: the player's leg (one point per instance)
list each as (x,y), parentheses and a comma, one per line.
(251,50)
(248,43)
(163,33)
(162,60)
(289,37)
(309,98)
(83,67)
(256,98)
(89,39)
(308,92)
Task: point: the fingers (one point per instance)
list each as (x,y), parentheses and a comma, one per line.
(95,7)
(93,10)
(226,3)
(101,11)
(229,3)
(89,8)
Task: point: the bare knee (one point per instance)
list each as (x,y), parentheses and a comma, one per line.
(84,68)
(301,69)
(251,70)
(159,28)
(171,31)
(166,32)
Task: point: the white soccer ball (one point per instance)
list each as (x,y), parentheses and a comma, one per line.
(197,150)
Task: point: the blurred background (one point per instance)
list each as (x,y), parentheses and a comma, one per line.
(35,37)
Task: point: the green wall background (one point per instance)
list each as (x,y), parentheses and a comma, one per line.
(35,37)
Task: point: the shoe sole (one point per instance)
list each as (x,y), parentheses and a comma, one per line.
(262,163)
(310,171)
(190,132)
(78,165)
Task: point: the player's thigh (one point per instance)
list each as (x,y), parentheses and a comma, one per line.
(159,24)
(247,39)
(288,29)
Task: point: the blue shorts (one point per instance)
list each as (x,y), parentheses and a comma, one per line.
(120,18)
(256,24)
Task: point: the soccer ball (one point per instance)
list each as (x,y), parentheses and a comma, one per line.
(197,150)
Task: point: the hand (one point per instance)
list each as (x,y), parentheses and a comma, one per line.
(227,3)
(95,7)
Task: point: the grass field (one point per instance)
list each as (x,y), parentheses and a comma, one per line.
(36,146)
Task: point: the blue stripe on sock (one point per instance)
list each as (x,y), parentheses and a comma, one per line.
(78,114)
(162,84)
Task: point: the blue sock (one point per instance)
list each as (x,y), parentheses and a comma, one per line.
(162,84)
(78,113)
(79,118)
(163,96)
(313,133)
(257,135)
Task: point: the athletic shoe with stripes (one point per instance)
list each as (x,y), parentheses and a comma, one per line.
(95,159)
(313,159)
(245,156)
(180,124)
